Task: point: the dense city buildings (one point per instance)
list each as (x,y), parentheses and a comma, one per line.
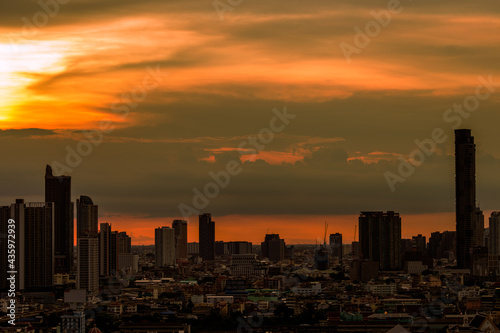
(380,238)
(206,237)
(465,195)
(381,283)
(58,191)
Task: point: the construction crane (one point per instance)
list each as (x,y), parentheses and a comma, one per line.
(326,229)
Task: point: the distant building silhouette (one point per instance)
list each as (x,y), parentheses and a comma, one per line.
(58,191)
(165,246)
(207,237)
(104,249)
(180,228)
(480,227)
(442,245)
(113,253)
(419,243)
(336,246)
(465,194)
(494,237)
(273,248)
(87,245)
(380,238)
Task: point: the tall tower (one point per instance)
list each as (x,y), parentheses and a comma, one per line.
(336,245)
(39,245)
(104,246)
(58,191)
(165,246)
(465,195)
(87,245)
(494,239)
(380,238)
(180,228)
(207,237)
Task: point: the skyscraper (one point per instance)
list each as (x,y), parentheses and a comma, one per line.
(104,240)
(15,212)
(380,238)
(88,264)
(165,246)
(273,247)
(39,245)
(58,191)
(124,243)
(87,245)
(113,253)
(336,246)
(494,238)
(207,237)
(34,239)
(479,227)
(465,195)
(180,228)
(86,217)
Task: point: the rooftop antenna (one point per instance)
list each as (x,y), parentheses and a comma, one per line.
(324,238)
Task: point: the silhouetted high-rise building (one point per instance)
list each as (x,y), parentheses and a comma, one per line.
(465,194)
(113,253)
(336,245)
(88,264)
(273,247)
(104,246)
(207,237)
(87,245)
(165,246)
(58,191)
(180,228)
(16,213)
(494,237)
(39,245)
(380,238)
(480,227)
(34,239)
(86,217)
(124,243)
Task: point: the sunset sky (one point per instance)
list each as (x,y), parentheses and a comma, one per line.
(206,84)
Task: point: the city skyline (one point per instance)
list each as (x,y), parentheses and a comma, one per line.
(201,89)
